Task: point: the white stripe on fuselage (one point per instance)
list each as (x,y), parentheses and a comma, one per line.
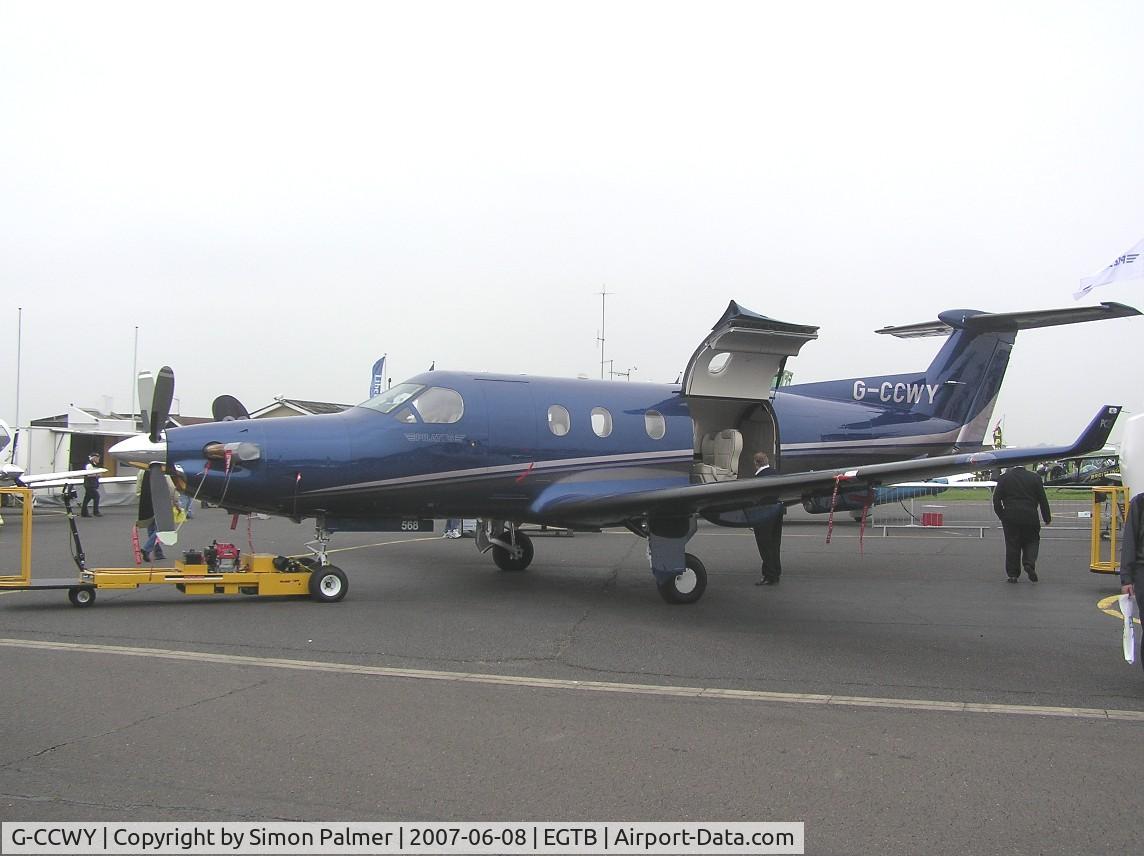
(637,458)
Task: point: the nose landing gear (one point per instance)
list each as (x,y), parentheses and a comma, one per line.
(328,583)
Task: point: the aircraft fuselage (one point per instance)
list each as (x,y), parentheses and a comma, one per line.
(506,456)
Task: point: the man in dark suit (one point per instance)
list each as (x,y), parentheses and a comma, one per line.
(1132,553)
(768,529)
(1016,499)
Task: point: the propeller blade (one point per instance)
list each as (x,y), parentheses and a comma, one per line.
(160,495)
(146,387)
(146,507)
(226,408)
(161,402)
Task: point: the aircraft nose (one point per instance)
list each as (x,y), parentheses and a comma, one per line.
(139,451)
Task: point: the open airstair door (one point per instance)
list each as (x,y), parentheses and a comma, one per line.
(728,387)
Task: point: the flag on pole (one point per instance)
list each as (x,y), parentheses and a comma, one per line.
(377,381)
(1130,265)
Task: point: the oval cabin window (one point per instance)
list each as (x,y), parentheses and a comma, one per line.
(601,421)
(719,362)
(559,422)
(654,424)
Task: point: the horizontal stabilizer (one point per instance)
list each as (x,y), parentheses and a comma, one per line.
(1008,322)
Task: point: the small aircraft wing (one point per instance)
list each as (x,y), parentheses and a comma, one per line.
(39,480)
(744,493)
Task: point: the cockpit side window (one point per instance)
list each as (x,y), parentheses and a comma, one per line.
(393,397)
(439,405)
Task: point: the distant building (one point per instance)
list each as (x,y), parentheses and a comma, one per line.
(64,441)
(296,407)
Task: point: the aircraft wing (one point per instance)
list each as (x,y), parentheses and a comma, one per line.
(39,480)
(744,493)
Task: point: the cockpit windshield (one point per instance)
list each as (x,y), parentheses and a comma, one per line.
(433,404)
(393,397)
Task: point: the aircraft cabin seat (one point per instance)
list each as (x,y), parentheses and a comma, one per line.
(720,451)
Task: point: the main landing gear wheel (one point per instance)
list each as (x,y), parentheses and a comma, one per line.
(686,587)
(507,561)
(328,584)
(81,595)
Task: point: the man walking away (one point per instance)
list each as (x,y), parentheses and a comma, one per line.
(1016,499)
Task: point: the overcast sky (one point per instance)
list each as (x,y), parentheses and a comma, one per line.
(278,193)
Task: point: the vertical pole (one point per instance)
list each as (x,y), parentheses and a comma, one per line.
(135,372)
(19,351)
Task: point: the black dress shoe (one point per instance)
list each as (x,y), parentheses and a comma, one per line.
(1032,575)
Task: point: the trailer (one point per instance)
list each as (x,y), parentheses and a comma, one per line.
(200,572)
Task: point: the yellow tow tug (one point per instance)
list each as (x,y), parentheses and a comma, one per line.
(206,572)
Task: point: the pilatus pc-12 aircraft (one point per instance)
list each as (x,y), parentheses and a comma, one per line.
(510,450)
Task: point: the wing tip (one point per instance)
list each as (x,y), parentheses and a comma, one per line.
(1096,434)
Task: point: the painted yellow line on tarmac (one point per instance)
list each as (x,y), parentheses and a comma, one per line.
(1105,605)
(714,693)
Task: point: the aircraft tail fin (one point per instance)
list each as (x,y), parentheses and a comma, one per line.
(960,386)
(962,383)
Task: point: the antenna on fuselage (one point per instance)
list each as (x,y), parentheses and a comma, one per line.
(600,336)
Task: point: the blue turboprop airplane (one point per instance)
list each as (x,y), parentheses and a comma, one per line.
(511,449)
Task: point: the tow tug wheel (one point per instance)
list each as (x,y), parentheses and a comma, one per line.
(686,587)
(506,561)
(328,584)
(81,595)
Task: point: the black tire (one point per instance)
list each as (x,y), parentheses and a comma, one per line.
(328,584)
(506,561)
(81,596)
(687,587)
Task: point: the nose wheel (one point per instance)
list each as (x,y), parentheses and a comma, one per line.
(328,584)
